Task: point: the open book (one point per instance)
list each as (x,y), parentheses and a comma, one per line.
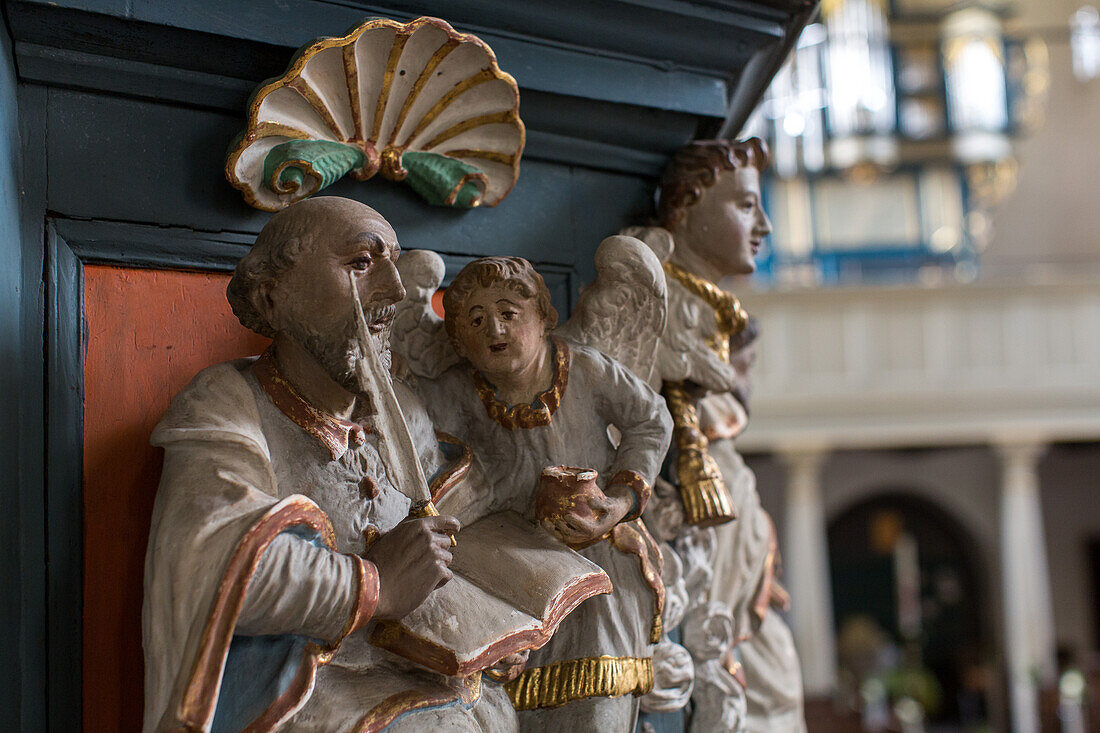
(513,584)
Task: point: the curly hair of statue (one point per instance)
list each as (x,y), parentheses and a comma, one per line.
(514,273)
(696,167)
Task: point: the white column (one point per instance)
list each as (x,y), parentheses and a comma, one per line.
(806,571)
(1029,617)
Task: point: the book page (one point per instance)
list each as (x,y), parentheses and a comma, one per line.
(465,619)
(518,562)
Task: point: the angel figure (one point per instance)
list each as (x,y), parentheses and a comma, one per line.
(526,399)
(712,222)
(420,329)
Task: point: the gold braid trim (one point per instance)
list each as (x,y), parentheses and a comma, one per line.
(729,316)
(576,679)
(707,501)
(542,409)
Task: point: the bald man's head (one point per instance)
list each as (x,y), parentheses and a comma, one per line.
(293,232)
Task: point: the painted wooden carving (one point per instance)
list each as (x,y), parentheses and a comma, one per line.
(538,406)
(518,607)
(746,673)
(278,539)
(416,102)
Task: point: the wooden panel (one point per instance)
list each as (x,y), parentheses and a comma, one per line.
(656,56)
(149,332)
(554,215)
(22,484)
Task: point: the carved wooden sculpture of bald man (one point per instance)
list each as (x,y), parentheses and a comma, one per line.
(277,538)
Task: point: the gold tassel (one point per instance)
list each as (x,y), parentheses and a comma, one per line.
(707,501)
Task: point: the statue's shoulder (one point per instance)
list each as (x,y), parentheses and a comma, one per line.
(595,363)
(445,392)
(217,402)
(588,358)
(680,297)
(412,406)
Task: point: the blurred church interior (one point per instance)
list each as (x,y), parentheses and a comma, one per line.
(926,406)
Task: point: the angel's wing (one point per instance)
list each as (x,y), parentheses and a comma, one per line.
(623,312)
(682,353)
(418,336)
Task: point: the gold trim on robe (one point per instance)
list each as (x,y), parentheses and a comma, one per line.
(729,316)
(539,412)
(332,432)
(576,679)
(641,488)
(200,695)
(418,698)
(633,538)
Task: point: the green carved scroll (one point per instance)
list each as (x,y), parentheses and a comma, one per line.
(307,166)
(444,181)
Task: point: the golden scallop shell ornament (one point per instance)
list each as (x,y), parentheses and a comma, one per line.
(417,102)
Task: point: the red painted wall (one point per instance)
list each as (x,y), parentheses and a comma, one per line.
(149,332)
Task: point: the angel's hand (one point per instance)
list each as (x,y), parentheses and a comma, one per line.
(510,667)
(580,527)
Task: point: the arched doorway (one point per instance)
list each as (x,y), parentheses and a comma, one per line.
(909,604)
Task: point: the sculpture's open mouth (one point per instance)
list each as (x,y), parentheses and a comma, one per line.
(498,347)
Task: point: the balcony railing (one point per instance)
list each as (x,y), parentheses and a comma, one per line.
(925,366)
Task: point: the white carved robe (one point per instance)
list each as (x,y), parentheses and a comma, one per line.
(251,591)
(744,549)
(590,392)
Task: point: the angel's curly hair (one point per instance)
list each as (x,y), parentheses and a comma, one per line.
(514,273)
(696,167)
